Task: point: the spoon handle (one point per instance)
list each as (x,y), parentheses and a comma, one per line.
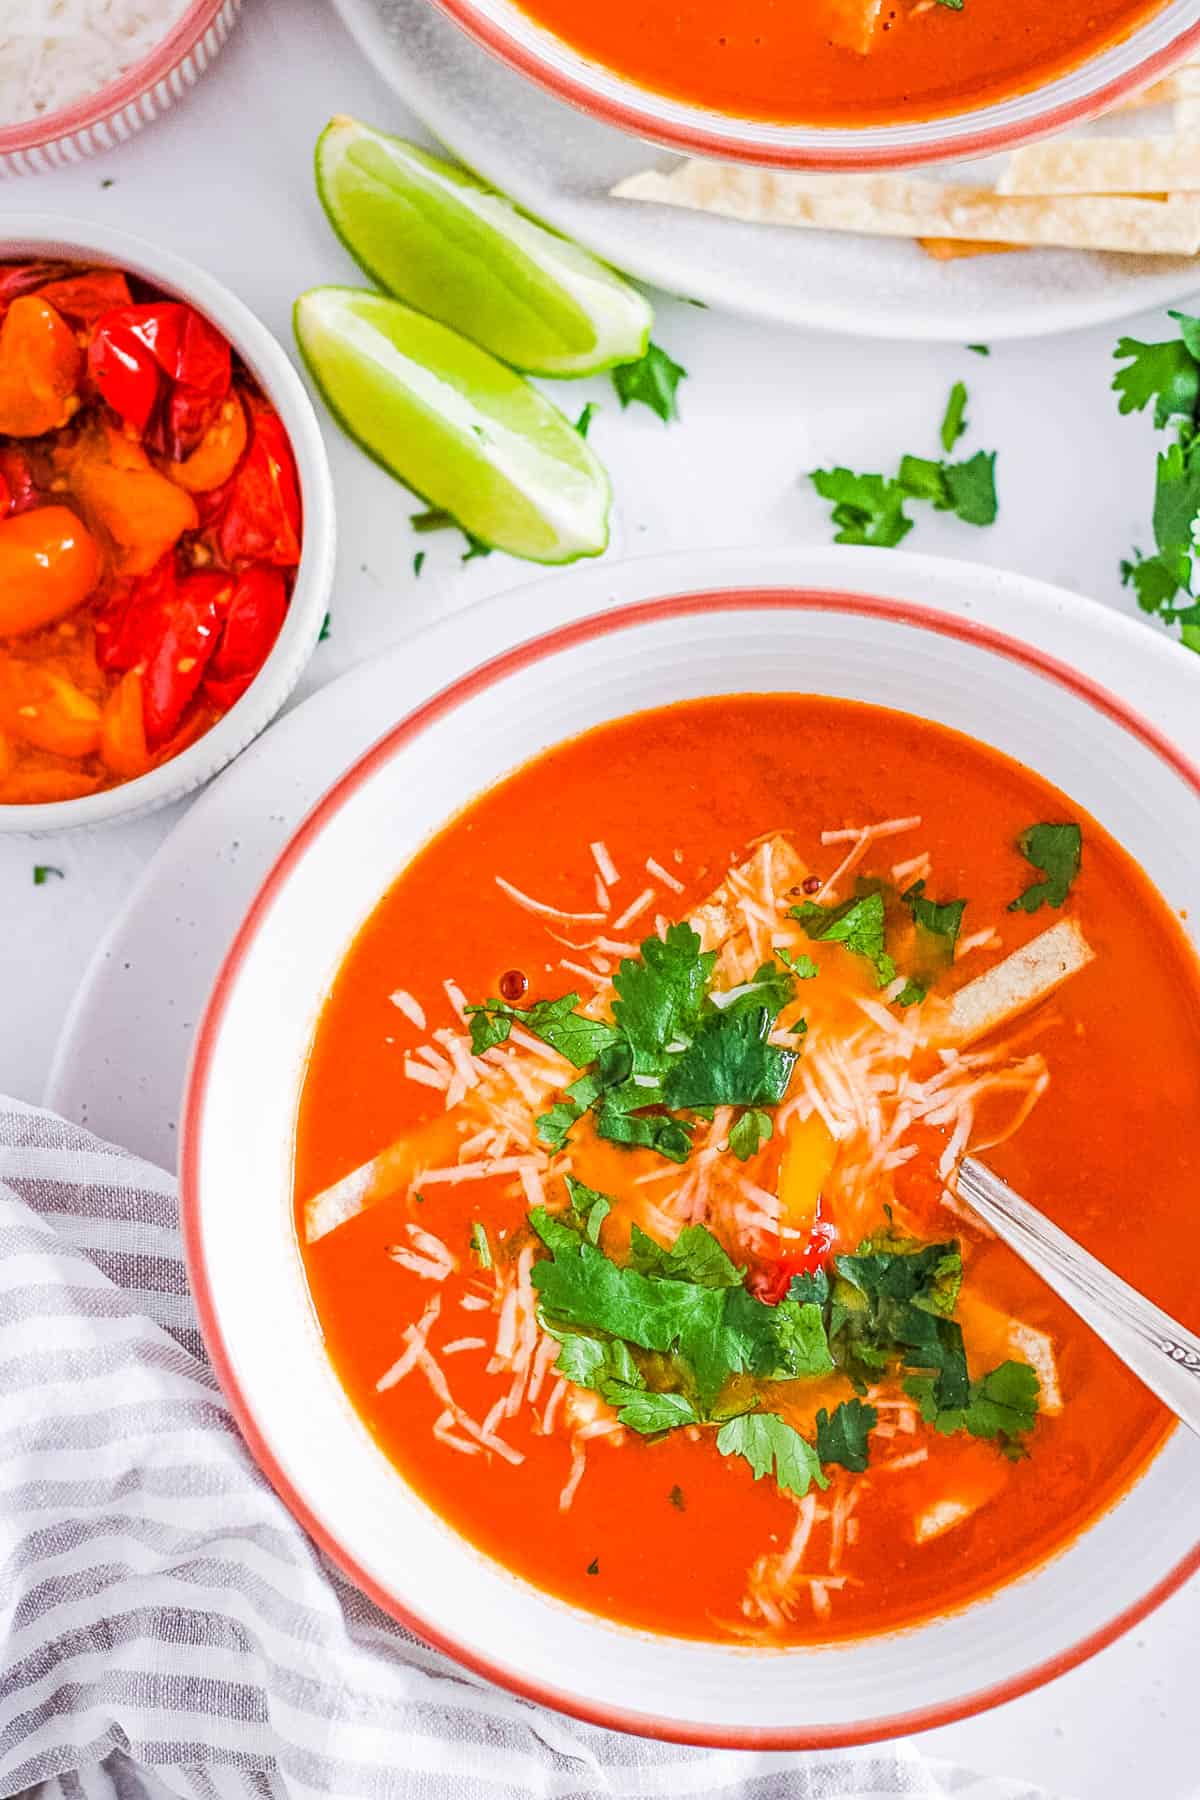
(1159,1350)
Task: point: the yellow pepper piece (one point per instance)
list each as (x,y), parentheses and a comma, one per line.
(808,1157)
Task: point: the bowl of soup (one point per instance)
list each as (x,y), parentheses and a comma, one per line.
(569,1166)
(849,85)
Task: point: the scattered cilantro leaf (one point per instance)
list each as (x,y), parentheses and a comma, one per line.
(590,1206)
(911,994)
(695,1256)
(647,1412)
(554,1126)
(654,380)
(323,634)
(769,986)
(1167,373)
(42,873)
(842,1434)
(749,1132)
(1056,850)
(941,919)
(579,1039)
(859,924)
(660,995)
(867,509)
(954,423)
(802,967)
(893,1300)
(583,422)
(593,1567)
(799,1028)
(1003,1405)
(481,1248)
(1156,580)
(771,1446)
(436,518)
(730,1063)
(971,485)
(979,349)
(418,562)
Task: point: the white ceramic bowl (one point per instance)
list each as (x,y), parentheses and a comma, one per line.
(46,236)
(1093,86)
(240,1112)
(115,112)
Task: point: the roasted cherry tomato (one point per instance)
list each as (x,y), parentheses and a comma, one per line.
(18,479)
(40,365)
(252,623)
(163,369)
(126,499)
(177,660)
(47,710)
(128,625)
(771,1281)
(123,746)
(49,563)
(218,453)
(85,298)
(261,518)
(25,278)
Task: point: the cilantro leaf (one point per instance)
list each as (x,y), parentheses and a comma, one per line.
(1177,497)
(749,1132)
(802,967)
(648,1412)
(590,1207)
(858,924)
(980,349)
(867,509)
(324,634)
(583,422)
(768,986)
(42,873)
(554,1127)
(893,1301)
(971,486)
(1056,850)
(660,995)
(730,1063)
(1003,1405)
(579,1039)
(1167,373)
(642,1131)
(953,422)
(694,1256)
(654,380)
(941,919)
(842,1434)
(770,1445)
(1156,580)
(911,994)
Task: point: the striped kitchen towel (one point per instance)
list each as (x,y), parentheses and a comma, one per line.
(166,1629)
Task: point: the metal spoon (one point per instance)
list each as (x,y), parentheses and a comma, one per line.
(1160,1351)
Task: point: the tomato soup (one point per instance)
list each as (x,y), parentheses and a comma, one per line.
(626,1153)
(839,62)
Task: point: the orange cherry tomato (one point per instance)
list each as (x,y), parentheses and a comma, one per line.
(218,452)
(123,730)
(47,710)
(49,563)
(40,365)
(33,787)
(125,498)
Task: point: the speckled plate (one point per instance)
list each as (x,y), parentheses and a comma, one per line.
(560,164)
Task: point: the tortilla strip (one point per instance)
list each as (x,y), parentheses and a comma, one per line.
(720,923)
(952,250)
(850,24)
(1023,979)
(908,206)
(1150,165)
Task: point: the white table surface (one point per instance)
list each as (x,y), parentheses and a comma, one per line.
(225,179)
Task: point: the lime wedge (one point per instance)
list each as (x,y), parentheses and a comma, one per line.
(458,427)
(437,238)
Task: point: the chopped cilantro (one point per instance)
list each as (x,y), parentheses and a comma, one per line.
(677,1499)
(593,1567)
(480,1246)
(418,562)
(799,1028)
(749,1132)
(1056,850)
(771,1446)
(42,873)
(911,994)
(858,924)
(730,1063)
(967,488)
(323,634)
(554,1127)
(867,509)
(940,918)
(556,1022)
(979,349)
(436,518)
(1167,373)
(653,380)
(694,1256)
(589,1206)
(1003,1405)
(660,995)
(802,967)
(954,423)
(648,1412)
(583,422)
(842,1434)
(893,1300)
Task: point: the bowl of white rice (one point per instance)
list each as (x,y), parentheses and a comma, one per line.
(77,76)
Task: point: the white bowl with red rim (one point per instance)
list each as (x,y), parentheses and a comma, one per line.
(239,1118)
(71,240)
(1097,83)
(121,107)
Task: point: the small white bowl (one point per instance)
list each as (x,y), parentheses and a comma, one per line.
(240,1113)
(75,241)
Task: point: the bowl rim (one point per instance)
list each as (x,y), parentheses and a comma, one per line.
(131,84)
(275,372)
(718,135)
(538,649)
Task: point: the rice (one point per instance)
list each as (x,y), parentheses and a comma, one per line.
(55,52)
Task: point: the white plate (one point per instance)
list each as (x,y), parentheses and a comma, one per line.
(121,1060)
(560,165)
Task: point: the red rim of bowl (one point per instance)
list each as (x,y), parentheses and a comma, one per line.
(81,115)
(721,139)
(487,675)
